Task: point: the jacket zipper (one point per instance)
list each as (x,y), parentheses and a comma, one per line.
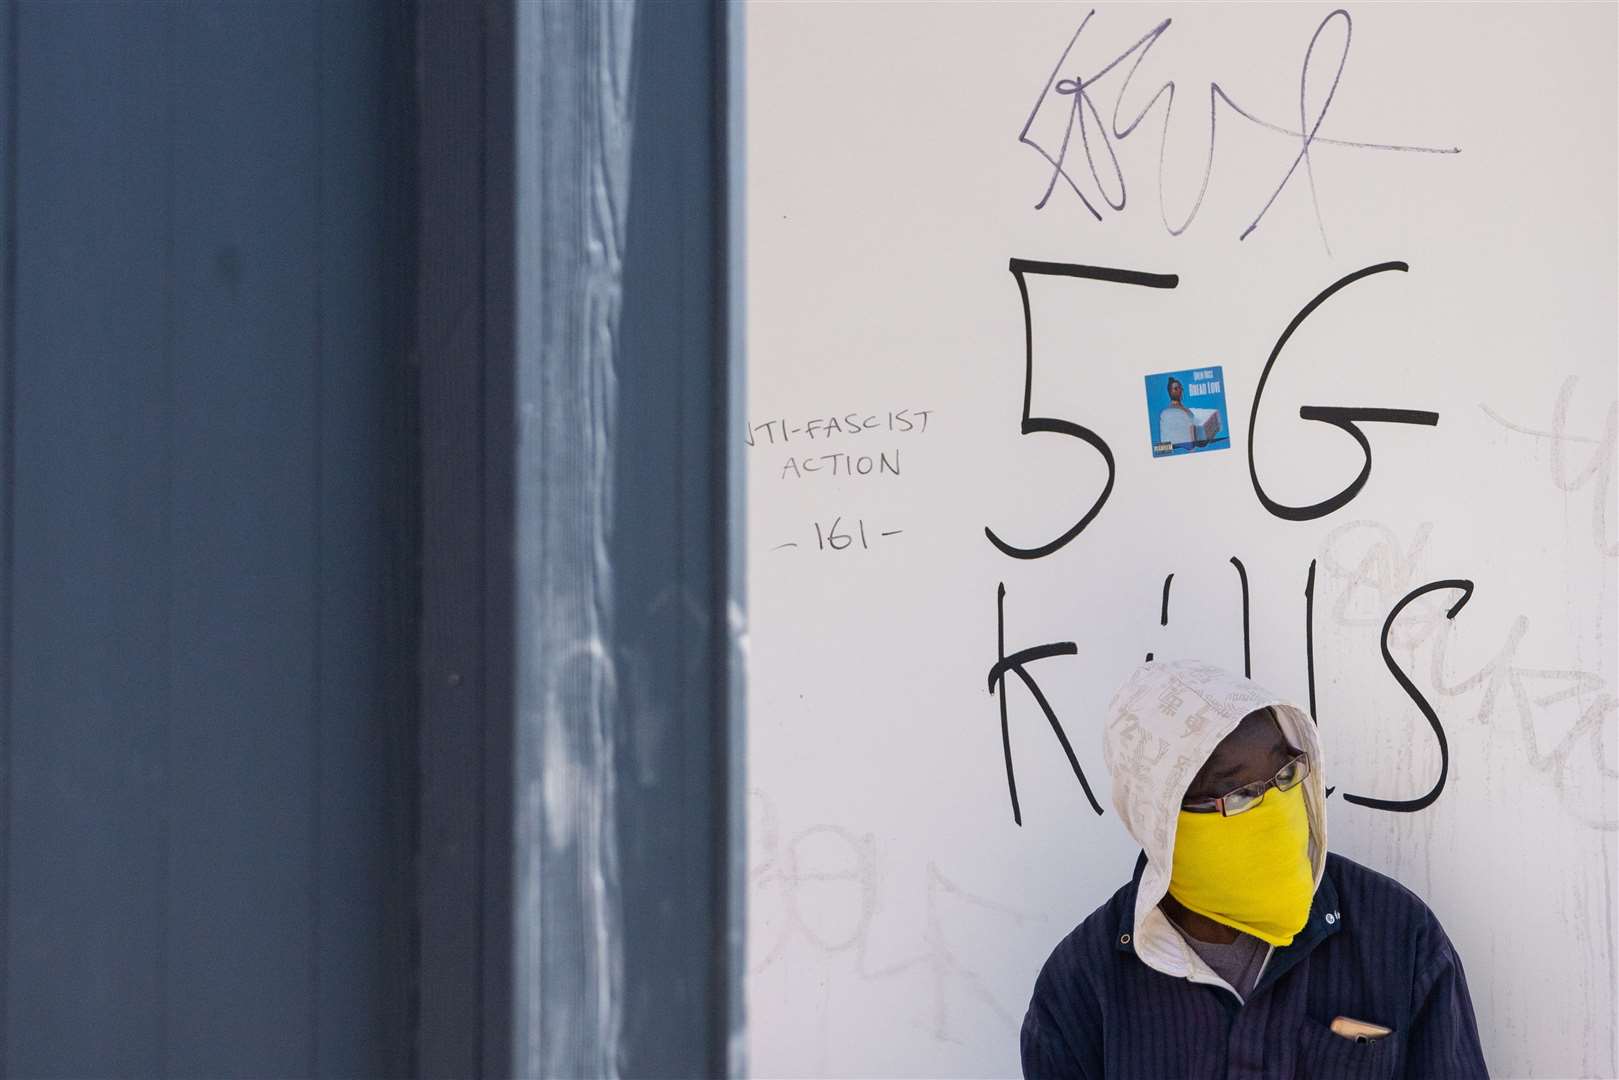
(1270,950)
(1195,967)
(1195,976)
(1216,982)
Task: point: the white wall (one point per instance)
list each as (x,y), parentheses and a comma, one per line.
(898,915)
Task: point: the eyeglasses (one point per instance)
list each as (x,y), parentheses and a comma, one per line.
(1251,795)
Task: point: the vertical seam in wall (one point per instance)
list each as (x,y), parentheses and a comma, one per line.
(481,656)
(718,446)
(8,282)
(167,650)
(733,609)
(718,460)
(318,409)
(397,254)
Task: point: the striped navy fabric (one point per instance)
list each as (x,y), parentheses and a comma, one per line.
(1371,951)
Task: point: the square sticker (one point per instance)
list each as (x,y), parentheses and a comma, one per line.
(1186,411)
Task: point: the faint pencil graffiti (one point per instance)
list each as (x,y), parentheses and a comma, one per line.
(1598,468)
(1575,760)
(1381,568)
(939,959)
(845,868)
(838,864)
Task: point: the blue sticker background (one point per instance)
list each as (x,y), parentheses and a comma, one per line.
(1199,420)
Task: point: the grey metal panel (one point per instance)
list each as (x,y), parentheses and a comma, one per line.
(90,679)
(245,481)
(366,746)
(8,266)
(207,818)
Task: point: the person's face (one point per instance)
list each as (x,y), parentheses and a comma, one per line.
(1174,390)
(1251,753)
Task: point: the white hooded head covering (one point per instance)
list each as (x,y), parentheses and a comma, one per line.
(1162,725)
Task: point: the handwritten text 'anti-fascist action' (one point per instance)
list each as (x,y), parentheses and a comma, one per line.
(807,460)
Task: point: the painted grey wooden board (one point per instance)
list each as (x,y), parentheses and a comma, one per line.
(622,924)
(199,826)
(572,139)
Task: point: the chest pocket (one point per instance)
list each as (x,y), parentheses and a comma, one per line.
(1324,1055)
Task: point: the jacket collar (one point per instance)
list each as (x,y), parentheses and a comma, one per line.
(1127,911)
(1324,921)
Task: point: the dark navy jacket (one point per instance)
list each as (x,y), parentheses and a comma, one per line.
(1370,951)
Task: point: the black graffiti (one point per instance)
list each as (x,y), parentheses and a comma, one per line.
(1407,806)
(1247,657)
(997,686)
(1242,578)
(1428,712)
(1309,638)
(1032,424)
(1342,418)
(1309,647)
(1163,608)
(1346,419)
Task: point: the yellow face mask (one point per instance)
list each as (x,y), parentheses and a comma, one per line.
(1251,871)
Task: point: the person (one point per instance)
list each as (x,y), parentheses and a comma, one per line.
(1183,427)
(1175,390)
(1242,947)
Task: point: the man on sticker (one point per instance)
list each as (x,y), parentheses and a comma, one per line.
(1182,426)
(1241,948)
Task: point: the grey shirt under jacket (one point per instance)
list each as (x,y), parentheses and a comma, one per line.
(1371,951)
(1237,962)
